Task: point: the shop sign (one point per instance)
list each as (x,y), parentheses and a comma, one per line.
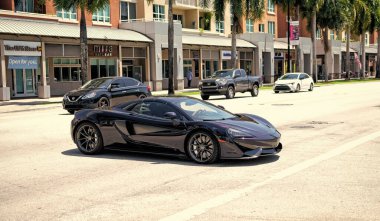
(226,55)
(103,50)
(294,33)
(22,48)
(18,62)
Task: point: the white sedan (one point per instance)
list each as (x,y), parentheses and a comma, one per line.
(294,82)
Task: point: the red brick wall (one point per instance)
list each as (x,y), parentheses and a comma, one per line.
(283,25)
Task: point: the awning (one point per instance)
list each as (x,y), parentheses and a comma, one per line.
(343,49)
(56,29)
(281,45)
(371,50)
(214,41)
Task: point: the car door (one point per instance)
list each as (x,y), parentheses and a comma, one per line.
(151,127)
(238,81)
(117,91)
(305,81)
(244,79)
(131,90)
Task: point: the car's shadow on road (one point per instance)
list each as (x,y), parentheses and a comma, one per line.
(223,98)
(159,159)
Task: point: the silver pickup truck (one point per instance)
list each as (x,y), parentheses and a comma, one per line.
(228,82)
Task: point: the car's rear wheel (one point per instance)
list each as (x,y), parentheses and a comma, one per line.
(205,97)
(71,111)
(230,92)
(255,90)
(298,88)
(142,96)
(103,103)
(202,148)
(88,139)
(311,88)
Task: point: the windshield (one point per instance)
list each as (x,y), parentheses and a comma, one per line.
(289,77)
(97,83)
(201,111)
(222,74)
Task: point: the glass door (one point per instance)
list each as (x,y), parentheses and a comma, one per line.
(24,82)
(29,81)
(128,71)
(19,82)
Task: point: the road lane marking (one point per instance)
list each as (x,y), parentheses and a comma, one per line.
(222,199)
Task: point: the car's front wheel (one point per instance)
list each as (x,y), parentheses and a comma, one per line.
(205,97)
(298,88)
(142,96)
(103,103)
(311,88)
(88,139)
(202,148)
(255,90)
(230,92)
(71,111)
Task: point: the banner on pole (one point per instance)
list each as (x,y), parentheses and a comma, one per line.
(294,33)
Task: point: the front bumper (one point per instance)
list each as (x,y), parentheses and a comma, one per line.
(284,87)
(79,104)
(213,90)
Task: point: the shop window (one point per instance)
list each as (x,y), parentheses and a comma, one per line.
(249,25)
(158,12)
(332,35)
(66,69)
(216,65)
(70,14)
(187,66)
(261,28)
(24,5)
(318,34)
(165,69)
(127,11)
(102,15)
(271,28)
(220,26)
(139,52)
(177,18)
(103,68)
(270,6)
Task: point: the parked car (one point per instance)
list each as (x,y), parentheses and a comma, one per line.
(294,82)
(228,82)
(104,93)
(177,126)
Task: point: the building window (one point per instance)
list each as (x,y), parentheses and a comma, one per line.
(66,69)
(102,15)
(127,11)
(271,28)
(177,18)
(24,5)
(103,68)
(158,12)
(261,28)
(249,25)
(165,69)
(67,14)
(220,26)
(318,34)
(270,6)
(332,35)
(366,39)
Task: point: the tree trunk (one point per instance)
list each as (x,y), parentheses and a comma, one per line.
(328,55)
(171,49)
(233,51)
(378,55)
(348,53)
(83,46)
(362,45)
(313,40)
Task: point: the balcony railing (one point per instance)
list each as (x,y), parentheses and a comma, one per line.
(192,3)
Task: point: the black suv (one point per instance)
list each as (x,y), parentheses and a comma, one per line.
(104,93)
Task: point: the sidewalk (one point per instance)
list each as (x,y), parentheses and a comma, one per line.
(28,104)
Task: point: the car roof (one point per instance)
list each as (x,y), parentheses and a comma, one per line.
(168,98)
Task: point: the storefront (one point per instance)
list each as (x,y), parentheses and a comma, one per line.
(23,62)
(134,63)
(103,60)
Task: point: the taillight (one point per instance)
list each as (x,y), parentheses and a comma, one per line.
(148,87)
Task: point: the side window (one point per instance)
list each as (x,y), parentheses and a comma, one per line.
(119,82)
(154,109)
(131,82)
(237,72)
(302,76)
(243,74)
(306,76)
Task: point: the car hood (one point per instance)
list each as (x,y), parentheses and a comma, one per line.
(286,81)
(212,79)
(80,92)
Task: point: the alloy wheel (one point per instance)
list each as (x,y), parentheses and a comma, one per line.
(255,90)
(87,138)
(103,102)
(202,148)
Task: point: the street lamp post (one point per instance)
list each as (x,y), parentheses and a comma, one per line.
(288,66)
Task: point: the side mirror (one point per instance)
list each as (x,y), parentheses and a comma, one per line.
(170,115)
(221,107)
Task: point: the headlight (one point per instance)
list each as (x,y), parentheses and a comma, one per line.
(292,83)
(89,95)
(200,83)
(65,97)
(237,133)
(221,81)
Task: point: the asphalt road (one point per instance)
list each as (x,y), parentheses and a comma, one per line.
(329,168)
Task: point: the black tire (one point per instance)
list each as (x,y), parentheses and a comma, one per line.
(230,92)
(276,92)
(202,148)
(142,96)
(311,88)
(205,97)
(103,103)
(255,90)
(298,88)
(88,138)
(71,111)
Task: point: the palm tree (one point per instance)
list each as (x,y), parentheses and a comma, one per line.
(250,9)
(85,6)
(170,46)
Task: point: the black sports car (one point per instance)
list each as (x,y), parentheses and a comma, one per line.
(105,92)
(175,126)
